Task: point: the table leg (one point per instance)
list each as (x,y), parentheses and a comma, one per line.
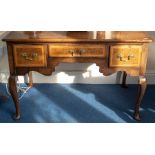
(30,79)
(141,92)
(13,92)
(124,85)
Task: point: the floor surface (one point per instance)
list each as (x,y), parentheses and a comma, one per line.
(84,103)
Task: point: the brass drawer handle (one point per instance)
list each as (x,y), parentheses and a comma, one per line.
(82,51)
(119,56)
(71,52)
(78,52)
(130,56)
(29,57)
(124,60)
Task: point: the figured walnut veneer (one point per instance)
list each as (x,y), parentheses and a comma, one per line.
(125,55)
(77,50)
(43,51)
(30,55)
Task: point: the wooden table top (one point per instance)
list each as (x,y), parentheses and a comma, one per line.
(76,36)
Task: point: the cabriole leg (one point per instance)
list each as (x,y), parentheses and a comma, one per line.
(124,85)
(30,79)
(13,92)
(141,92)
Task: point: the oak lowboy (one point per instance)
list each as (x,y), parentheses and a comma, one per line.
(43,51)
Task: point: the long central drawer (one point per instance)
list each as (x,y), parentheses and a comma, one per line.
(63,50)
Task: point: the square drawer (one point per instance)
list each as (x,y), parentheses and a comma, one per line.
(30,55)
(125,55)
(77,50)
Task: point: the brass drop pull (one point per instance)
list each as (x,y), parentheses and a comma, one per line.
(29,57)
(119,56)
(35,55)
(76,52)
(81,51)
(130,56)
(72,52)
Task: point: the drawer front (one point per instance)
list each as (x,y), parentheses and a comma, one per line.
(76,51)
(30,55)
(125,55)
